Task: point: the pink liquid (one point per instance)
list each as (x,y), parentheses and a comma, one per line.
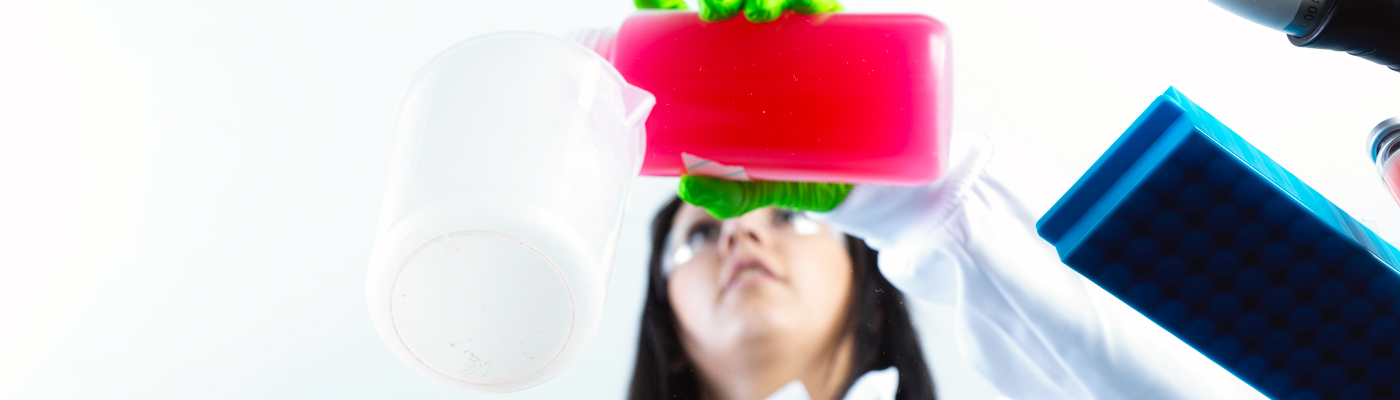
(857,98)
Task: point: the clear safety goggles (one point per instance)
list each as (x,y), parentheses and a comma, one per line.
(699,237)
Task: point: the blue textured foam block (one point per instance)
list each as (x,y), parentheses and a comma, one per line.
(1202,233)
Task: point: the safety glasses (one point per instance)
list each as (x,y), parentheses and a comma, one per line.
(697,235)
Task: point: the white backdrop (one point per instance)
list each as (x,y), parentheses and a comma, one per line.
(188,189)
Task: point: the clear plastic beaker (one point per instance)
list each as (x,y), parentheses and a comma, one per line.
(1385,152)
(513,155)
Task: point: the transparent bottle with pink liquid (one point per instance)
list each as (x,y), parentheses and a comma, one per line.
(838,97)
(1385,152)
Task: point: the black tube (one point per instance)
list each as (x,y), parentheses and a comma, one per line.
(1369,29)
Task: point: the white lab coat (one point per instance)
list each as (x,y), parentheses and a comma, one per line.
(874,385)
(1033,326)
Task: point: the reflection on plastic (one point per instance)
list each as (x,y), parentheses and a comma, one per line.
(1385,152)
(512,160)
(1390,172)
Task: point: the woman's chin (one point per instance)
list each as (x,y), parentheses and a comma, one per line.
(760,314)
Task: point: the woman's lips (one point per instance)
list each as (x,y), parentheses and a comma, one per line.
(746,270)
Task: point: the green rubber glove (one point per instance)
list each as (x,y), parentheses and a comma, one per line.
(728,199)
(755,10)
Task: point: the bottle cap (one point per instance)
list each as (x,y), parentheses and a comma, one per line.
(1379,134)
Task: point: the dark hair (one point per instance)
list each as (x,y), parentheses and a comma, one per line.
(875,315)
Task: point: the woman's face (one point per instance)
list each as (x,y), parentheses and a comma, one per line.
(769,283)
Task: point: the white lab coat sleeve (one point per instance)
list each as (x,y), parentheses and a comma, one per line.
(1033,326)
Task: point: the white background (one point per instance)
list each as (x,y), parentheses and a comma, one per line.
(188,189)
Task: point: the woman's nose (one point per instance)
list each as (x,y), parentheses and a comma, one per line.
(748,228)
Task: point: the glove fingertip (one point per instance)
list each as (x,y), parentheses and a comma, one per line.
(833,195)
(713,16)
(660,4)
(722,199)
(761,11)
(818,6)
(702,191)
(687,190)
(721,213)
(759,16)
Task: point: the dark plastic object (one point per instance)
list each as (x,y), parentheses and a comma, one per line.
(1202,233)
(1369,29)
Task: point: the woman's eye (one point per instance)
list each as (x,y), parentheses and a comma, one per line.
(701,234)
(783,217)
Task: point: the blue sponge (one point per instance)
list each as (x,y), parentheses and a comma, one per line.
(1202,233)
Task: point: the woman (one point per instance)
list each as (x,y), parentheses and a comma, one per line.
(770,303)
(1033,327)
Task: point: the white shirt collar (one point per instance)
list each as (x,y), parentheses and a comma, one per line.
(874,385)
